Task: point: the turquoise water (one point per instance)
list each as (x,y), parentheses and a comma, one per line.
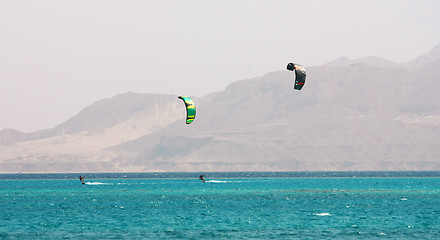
(221,208)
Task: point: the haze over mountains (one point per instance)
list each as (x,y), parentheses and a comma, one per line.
(364,114)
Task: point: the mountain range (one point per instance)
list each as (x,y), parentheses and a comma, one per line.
(357,115)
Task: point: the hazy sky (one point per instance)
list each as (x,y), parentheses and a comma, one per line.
(57,57)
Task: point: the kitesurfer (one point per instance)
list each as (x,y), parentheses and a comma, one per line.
(300,75)
(81,178)
(190,109)
(201,178)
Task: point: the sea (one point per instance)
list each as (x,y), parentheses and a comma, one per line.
(234,205)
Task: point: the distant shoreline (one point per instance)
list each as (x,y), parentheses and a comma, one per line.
(221,175)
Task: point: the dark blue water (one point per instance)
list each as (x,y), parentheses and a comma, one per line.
(317,205)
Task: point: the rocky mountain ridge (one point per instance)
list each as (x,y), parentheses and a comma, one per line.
(361,115)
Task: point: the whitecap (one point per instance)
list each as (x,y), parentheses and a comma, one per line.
(322,214)
(97,183)
(216,181)
(219,181)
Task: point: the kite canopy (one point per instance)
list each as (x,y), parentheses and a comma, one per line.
(190,109)
(300,75)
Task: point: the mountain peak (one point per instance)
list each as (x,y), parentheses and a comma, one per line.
(429,57)
(436,48)
(370,61)
(9,136)
(341,61)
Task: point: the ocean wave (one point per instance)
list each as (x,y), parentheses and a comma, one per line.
(322,214)
(98,183)
(216,181)
(219,181)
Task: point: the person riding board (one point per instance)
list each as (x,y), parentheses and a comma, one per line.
(201,178)
(81,178)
